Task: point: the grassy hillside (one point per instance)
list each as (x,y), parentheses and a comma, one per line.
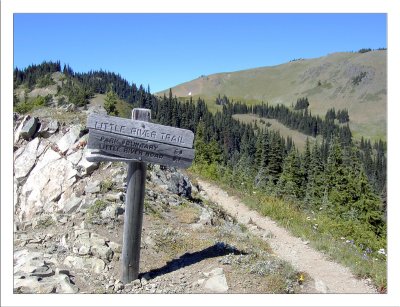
(124,108)
(355,81)
(299,139)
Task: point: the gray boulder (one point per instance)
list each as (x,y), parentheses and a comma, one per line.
(20,124)
(86,167)
(26,160)
(180,185)
(93,187)
(48,128)
(71,204)
(75,157)
(29,128)
(216,281)
(69,138)
(92,264)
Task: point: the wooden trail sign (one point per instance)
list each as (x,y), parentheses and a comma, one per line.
(140,149)
(139,141)
(136,142)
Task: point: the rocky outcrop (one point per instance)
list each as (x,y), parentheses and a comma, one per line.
(69,139)
(48,128)
(25,159)
(171,180)
(29,128)
(48,180)
(46,170)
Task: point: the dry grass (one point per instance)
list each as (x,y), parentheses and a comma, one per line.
(67,118)
(187,214)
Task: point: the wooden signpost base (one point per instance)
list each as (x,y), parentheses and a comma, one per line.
(136,142)
(136,182)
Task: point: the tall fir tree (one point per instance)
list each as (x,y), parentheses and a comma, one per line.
(290,184)
(110,103)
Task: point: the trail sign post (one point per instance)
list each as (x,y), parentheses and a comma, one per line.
(136,142)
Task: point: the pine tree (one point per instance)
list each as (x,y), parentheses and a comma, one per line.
(306,160)
(265,149)
(290,184)
(275,157)
(258,159)
(336,179)
(200,147)
(110,103)
(315,188)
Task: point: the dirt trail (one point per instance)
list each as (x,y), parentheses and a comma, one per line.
(329,276)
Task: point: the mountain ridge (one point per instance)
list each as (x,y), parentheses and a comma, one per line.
(341,80)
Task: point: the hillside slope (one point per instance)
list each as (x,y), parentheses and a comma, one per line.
(355,81)
(68,228)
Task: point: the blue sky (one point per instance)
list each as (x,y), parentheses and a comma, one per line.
(163,50)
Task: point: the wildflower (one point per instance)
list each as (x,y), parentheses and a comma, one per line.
(382,251)
(300,278)
(308,218)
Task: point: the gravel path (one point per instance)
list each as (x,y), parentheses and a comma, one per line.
(329,276)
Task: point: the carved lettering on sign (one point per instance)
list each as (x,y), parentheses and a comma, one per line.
(140,129)
(139,149)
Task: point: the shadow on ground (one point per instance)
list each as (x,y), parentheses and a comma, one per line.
(187,259)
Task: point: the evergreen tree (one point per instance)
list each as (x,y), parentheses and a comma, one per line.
(315,188)
(306,160)
(290,184)
(110,103)
(265,150)
(275,157)
(200,147)
(258,159)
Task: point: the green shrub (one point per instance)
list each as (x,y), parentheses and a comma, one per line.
(93,213)
(45,81)
(27,106)
(106,185)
